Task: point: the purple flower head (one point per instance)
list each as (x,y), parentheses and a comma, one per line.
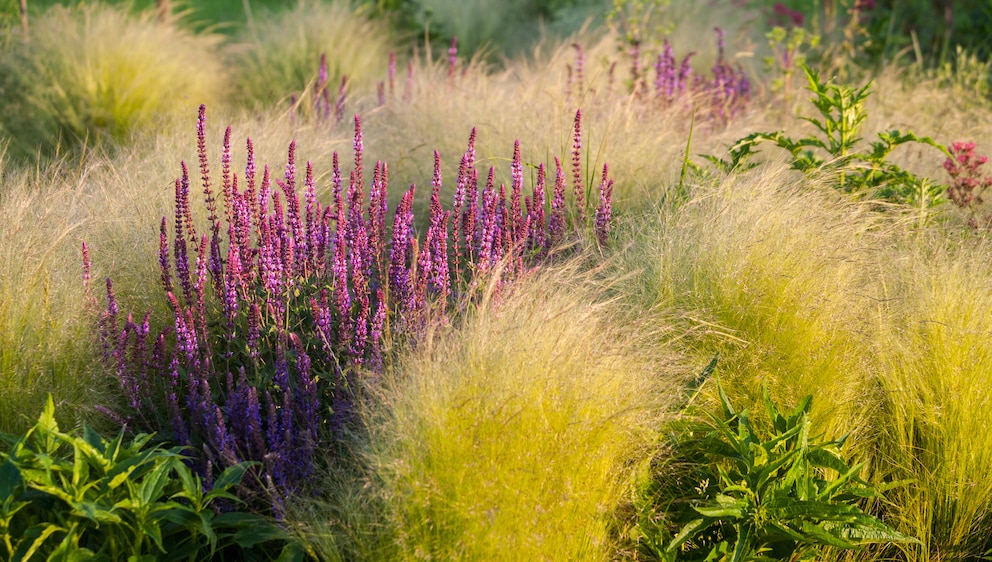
(515,224)
(401,249)
(556,223)
(605,209)
(452,59)
(86,264)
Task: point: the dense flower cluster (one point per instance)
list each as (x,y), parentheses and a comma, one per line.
(282,303)
(968,182)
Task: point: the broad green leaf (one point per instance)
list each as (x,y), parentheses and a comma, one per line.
(688,531)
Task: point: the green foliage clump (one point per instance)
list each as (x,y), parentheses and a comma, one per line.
(759,495)
(279,55)
(88,498)
(836,151)
(95,73)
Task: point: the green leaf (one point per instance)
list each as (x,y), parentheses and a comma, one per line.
(10,478)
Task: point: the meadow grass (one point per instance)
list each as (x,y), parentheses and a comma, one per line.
(94,75)
(516,429)
(279,56)
(514,433)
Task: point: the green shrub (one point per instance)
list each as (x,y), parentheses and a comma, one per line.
(95,73)
(759,494)
(836,150)
(88,498)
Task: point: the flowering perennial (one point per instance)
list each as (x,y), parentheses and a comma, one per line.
(283,303)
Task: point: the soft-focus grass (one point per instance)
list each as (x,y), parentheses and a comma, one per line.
(279,55)
(95,73)
(512,434)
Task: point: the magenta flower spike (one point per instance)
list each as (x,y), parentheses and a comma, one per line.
(605,209)
(86,263)
(437,236)
(400,251)
(578,188)
(535,214)
(359,146)
(461,203)
(452,60)
(580,58)
(163,258)
(201,152)
(556,223)
(515,225)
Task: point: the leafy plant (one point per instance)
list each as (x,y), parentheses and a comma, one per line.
(777,494)
(64,497)
(837,149)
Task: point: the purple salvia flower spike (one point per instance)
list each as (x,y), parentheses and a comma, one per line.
(163,257)
(556,222)
(201,152)
(359,147)
(604,210)
(578,187)
(515,224)
(86,265)
(580,58)
(225,174)
(452,60)
(400,251)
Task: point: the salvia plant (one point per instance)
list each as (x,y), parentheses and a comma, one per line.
(69,497)
(753,494)
(282,304)
(719,97)
(837,149)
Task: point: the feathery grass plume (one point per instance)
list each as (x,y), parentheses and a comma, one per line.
(535,406)
(935,358)
(279,56)
(95,73)
(773,276)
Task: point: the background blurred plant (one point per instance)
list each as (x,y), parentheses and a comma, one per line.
(789,48)
(968,182)
(95,73)
(276,56)
(68,497)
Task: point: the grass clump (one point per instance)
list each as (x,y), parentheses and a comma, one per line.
(513,432)
(95,73)
(280,55)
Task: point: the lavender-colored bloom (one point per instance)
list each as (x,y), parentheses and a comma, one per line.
(201,152)
(465,169)
(377,218)
(535,213)
(250,194)
(400,250)
(605,209)
(580,58)
(515,224)
(437,237)
(556,223)
(452,59)
(86,264)
(378,326)
(359,147)
(254,329)
(225,173)
(578,188)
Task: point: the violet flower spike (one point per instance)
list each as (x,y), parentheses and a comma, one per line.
(578,188)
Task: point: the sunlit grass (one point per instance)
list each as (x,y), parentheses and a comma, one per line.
(95,75)
(511,435)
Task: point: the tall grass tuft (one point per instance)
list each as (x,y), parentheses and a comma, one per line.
(278,57)
(95,73)
(936,359)
(511,435)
